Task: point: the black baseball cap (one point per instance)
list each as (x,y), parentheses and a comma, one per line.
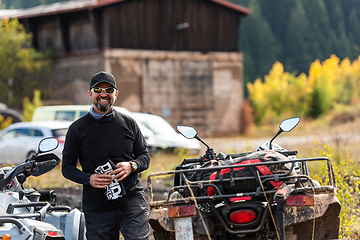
(102,77)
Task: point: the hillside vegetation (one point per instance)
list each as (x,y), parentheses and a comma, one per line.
(296,33)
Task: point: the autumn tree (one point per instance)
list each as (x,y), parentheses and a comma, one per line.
(22,68)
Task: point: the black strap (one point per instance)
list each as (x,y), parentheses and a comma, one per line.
(220,185)
(281,195)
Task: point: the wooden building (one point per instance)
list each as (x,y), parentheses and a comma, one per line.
(176,58)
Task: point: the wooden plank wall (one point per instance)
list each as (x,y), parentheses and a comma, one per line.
(151,24)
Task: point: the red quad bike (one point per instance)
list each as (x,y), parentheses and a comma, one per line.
(265,194)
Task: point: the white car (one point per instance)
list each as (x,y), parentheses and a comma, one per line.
(20,140)
(166,138)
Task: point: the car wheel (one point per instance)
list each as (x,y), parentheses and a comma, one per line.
(30,154)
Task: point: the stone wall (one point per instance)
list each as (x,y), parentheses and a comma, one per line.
(186,88)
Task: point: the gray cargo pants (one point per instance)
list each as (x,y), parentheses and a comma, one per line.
(132,219)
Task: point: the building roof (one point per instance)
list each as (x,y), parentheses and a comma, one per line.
(59,7)
(232,6)
(70,6)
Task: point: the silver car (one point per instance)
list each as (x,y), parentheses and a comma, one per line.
(20,140)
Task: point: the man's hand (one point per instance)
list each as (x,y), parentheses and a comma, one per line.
(100,180)
(123,169)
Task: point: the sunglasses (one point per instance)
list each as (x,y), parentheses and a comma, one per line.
(99,90)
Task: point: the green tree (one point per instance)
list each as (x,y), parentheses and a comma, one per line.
(256,38)
(300,42)
(354,33)
(22,68)
(282,10)
(320,27)
(319,103)
(299,32)
(342,46)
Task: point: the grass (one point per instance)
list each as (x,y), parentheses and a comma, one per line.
(347,176)
(49,180)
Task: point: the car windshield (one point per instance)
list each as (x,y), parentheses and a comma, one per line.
(60,132)
(158,126)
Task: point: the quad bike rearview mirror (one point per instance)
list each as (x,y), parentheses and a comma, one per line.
(48,144)
(187,131)
(285,126)
(288,124)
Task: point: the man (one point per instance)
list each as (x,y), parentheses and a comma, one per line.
(113,200)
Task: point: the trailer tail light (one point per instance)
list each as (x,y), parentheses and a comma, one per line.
(300,200)
(52,233)
(181,211)
(6,237)
(240,199)
(61,139)
(242,216)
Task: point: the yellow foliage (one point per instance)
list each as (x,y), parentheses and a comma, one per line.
(315,71)
(329,83)
(30,106)
(4,122)
(281,94)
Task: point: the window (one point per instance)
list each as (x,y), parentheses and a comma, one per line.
(22,132)
(82,113)
(35,133)
(65,115)
(10,134)
(28,132)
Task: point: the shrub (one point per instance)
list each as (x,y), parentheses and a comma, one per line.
(30,106)
(347,175)
(4,122)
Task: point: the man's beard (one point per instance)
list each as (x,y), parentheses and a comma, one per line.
(103,108)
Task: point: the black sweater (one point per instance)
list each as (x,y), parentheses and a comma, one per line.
(92,142)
